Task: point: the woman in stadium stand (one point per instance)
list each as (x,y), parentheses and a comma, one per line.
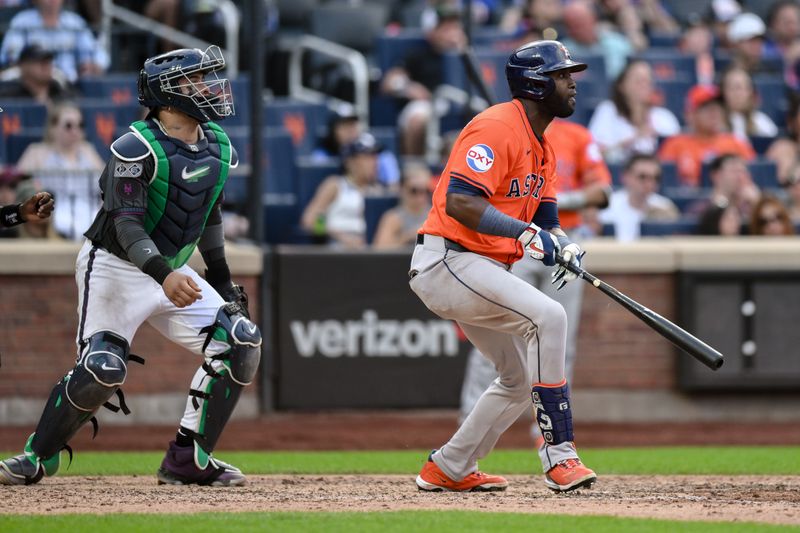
(68,166)
(741,106)
(398,227)
(770,218)
(785,151)
(630,122)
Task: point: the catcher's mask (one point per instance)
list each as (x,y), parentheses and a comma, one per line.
(187,80)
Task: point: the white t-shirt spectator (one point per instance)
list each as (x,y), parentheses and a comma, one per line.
(762,124)
(618,138)
(627,219)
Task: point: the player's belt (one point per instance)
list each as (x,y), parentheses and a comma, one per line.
(450,245)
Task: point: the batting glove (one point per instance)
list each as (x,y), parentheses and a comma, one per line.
(540,244)
(571,253)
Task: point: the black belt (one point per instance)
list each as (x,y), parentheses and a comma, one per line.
(450,245)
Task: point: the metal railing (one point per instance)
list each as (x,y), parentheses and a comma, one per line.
(231,20)
(352,58)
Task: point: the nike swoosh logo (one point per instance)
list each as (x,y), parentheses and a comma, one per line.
(106,367)
(148,250)
(195,174)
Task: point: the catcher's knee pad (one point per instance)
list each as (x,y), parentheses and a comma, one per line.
(236,369)
(553,412)
(99,373)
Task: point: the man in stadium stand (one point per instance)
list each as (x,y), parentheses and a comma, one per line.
(638,200)
(416,79)
(783,39)
(732,184)
(746,39)
(53,28)
(707,138)
(35,78)
(585,37)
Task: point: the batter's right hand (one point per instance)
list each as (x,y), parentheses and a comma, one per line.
(539,244)
(181,289)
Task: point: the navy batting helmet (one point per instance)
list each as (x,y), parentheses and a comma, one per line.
(528,64)
(171,80)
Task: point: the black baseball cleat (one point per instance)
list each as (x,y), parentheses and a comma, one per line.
(26,468)
(189,465)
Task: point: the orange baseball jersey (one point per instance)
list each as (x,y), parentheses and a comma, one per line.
(690,152)
(498,153)
(580,163)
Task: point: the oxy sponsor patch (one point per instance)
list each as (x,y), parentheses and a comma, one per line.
(480,158)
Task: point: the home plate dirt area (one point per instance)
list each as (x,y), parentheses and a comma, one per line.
(772,499)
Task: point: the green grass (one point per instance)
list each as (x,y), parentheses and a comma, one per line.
(762,460)
(400,521)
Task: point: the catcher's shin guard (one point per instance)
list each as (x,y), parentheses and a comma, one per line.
(226,374)
(100,371)
(553,412)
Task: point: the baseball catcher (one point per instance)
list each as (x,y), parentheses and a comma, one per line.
(162,189)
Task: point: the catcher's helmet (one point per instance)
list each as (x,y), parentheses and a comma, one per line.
(164,81)
(528,64)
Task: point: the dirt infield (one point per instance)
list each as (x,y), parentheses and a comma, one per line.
(721,498)
(398,430)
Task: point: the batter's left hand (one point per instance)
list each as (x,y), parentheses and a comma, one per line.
(37,207)
(572,254)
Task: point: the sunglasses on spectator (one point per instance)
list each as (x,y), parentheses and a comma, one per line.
(769,220)
(645,175)
(70,125)
(417,190)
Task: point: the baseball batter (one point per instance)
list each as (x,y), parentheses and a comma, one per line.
(495,202)
(162,189)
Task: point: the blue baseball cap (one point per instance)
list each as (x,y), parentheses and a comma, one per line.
(364,144)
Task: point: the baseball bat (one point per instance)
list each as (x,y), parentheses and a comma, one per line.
(673,333)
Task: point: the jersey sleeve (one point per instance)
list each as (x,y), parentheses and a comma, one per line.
(591,168)
(124,185)
(485,152)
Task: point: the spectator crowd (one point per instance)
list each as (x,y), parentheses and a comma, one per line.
(695,110)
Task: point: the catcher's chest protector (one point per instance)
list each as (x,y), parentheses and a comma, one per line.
(187,183)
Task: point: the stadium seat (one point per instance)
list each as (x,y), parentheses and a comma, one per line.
(673,95)
(764,173)
(668,64)
(117,87)
(374,208)
(665,229)
(669,175)
(16,143)
(664,40)
(687,198)
(392,49)
(280,172)
(355,26)
(387,137)
(104,121)
(302,120)
(21,114)
(688,11)
(761,144)
(281,222)
(295,15)
(383,110)
(772,96)
(309,175)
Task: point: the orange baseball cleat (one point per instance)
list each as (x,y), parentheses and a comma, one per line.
(431,478)
(569,475)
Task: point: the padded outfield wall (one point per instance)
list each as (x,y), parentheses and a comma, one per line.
(345,332)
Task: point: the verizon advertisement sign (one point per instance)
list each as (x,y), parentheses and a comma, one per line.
(372,337)
(350,333)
